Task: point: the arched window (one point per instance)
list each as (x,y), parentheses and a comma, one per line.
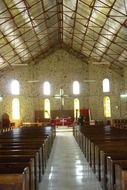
(15,87)
(15,109)
(76,88)
(1,98)
(76,108)
(107,106)
(46,88)
(106,85)
(47,108)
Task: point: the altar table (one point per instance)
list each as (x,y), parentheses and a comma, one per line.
(62,122)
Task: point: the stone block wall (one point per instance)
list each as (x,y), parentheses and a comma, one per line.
(61,69)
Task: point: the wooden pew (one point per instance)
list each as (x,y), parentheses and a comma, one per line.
(107,167)
(121,176)
(27,148)
(100,143)
(17,165)
(29,144)
(26,155)
(48,133)
(109,149)
(18,161)
(35,144)
(18,134)
(101,151)
(111,162)
(14,179)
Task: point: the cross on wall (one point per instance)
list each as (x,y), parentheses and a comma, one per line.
(61,96)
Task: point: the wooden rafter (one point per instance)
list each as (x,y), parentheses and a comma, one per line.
(18,30)
(78,28)
(60,19)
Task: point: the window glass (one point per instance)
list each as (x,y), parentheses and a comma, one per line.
(46,88)
(47,108)
(15,109)
(76,108)
(76,88)
(106,85)
(15,87)
(107,106)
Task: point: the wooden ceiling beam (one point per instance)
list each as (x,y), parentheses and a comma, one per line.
(99,34)
(112,7)
(96,41)
(97,25)
(9,42)
(33,28)
(60,19)
(87,25)
(6,61)
(112,42)
(45,21)
(71,50)
(94,23)
(105,57)
(23,25)
(27,48)
(43,54)
(120,67)
(75,15)
(19,2)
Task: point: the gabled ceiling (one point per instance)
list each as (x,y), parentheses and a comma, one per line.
(94,29)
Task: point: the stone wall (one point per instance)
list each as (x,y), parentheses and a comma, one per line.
(61,69)
(123,100)
(96,95)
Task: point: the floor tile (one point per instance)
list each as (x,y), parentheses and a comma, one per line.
(67,167)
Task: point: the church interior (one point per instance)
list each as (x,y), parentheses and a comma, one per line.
(63,94)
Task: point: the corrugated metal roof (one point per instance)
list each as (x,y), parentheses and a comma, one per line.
(94,29)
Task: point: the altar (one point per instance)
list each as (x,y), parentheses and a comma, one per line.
(62,121)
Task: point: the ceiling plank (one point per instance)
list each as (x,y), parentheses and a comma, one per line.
(60,19)
(18,30)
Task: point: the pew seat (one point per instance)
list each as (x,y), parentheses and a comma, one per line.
(121,176)
(14,179)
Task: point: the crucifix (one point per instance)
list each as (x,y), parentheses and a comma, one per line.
(61,96)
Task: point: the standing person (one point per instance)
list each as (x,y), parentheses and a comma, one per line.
(81,120)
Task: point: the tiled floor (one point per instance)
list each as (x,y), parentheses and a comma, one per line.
(67,168)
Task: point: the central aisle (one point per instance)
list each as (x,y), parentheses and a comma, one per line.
(67,168)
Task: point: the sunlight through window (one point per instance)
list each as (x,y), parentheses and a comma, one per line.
(15,87)
(46,88)
(107,106)
(76,88)
(106,85)
(15,109)
(76,108)
(47,108)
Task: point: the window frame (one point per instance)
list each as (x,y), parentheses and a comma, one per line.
(47,112)
(106,85)
(76,87)
(47,88)
(105,105)
(15,87)
(15,109)
(76,115)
